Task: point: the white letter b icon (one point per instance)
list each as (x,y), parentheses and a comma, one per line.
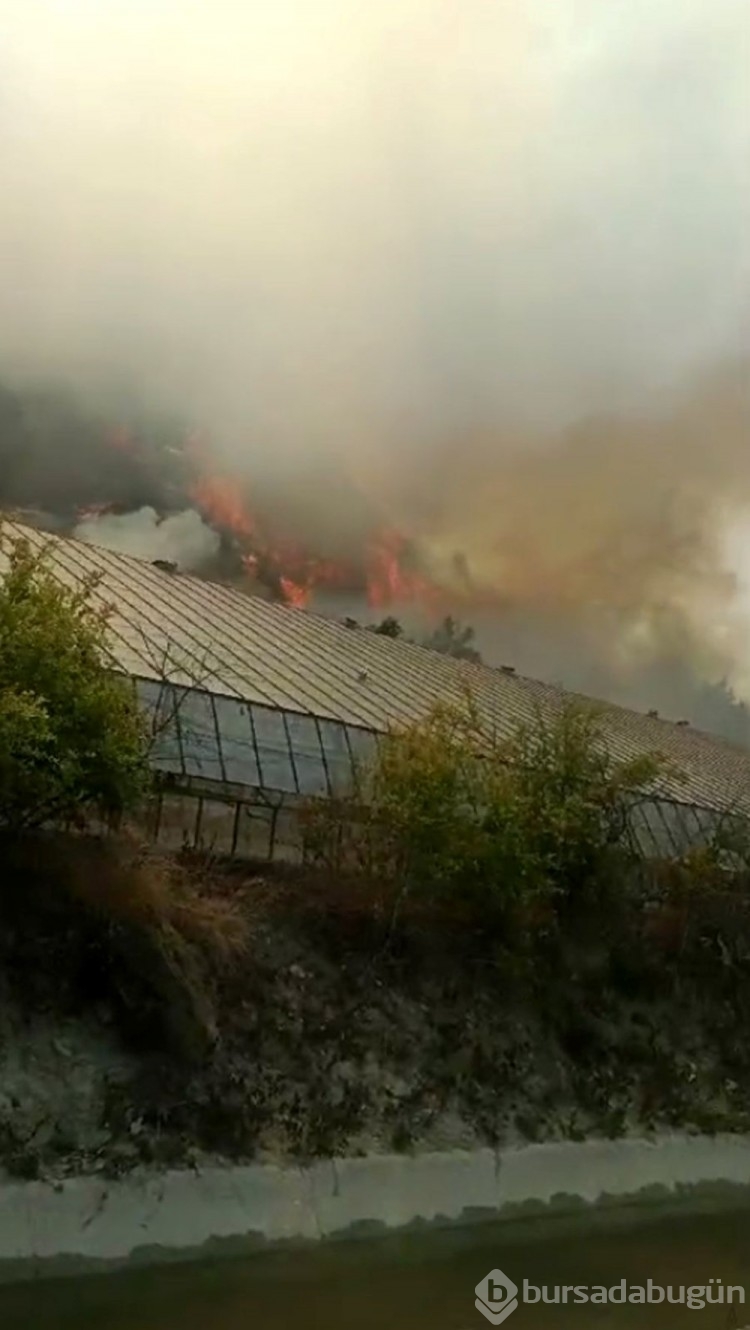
(497,1297)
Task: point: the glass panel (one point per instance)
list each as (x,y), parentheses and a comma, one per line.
(254,833)
(307,754)
(195,717)
(642,831)
(148,693)
(708,822)
(273,749)
(677,831)
(160,702)
(287,840)
(655,834)
(698,831)
(179,813)
(216,826)
(364,745)
(236,740)
(337,754)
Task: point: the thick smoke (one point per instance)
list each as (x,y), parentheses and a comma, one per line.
(479,271)
(181,538)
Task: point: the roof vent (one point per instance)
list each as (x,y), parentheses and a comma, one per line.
(653,713)
(165,565)
(508,669)
(350,623)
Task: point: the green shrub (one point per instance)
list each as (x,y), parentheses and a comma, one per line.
(72,738)
(568,802)
(535,824)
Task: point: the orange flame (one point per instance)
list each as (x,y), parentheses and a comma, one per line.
(389,582)
(218,498)
(298,573)
(294,593)
(384,568)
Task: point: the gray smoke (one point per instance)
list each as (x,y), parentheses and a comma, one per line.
(478,268)
(337,227)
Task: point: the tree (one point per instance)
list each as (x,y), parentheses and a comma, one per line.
(534,825)
(451,639)
(72,737)
(388,627)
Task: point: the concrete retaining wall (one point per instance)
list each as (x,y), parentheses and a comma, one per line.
(89,1223)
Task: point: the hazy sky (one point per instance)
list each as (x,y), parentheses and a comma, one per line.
(409,234)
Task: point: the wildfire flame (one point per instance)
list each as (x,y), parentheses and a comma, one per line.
(220,501)
(390,581)
(384,568)
(298,572)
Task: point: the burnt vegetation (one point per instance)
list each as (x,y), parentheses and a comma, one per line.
(450,637)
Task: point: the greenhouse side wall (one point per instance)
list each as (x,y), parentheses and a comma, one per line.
(253,829)
(267,826)
(234,776)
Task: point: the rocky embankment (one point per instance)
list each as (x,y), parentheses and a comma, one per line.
(312,1028)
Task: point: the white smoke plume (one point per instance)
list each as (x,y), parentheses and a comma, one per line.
(182,538)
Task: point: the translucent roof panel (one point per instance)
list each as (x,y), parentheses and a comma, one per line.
(237,742)
(307,754)
(272,743)
(200,744)
(161,704)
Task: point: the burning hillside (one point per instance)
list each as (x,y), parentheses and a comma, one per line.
(385,569)
(169,501)
(569,565)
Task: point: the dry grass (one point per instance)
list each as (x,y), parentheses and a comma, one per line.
(172,929)
(127,882)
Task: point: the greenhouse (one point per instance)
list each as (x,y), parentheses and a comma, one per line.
(258,707)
